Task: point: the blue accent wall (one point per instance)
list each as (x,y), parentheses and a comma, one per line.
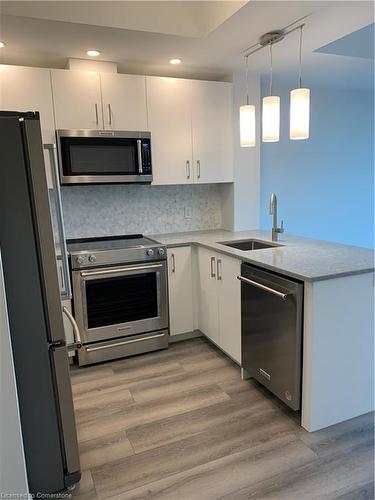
(324,185)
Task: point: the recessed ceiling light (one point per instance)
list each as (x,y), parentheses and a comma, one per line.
(2,44)
(93,52)
(175,60)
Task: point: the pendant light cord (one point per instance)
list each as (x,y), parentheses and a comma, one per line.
(300,57)
(247,80)
(270,68)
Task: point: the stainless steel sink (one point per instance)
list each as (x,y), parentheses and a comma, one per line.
(249,244)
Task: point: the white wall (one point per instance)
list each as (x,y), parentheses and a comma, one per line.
(13,477)
(240,201)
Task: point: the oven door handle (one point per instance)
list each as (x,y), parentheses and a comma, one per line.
(125,342)
(120,270)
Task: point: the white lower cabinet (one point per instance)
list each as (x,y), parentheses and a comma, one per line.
(229,300)
(180,284)
(219,300)
(208,307)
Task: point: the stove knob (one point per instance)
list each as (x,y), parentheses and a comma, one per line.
(161,251)
(150,252)
(92,258)
(80,260)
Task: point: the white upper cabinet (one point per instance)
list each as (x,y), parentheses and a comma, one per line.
(77,99)
(28,89)
(169,119)
(124,102)
(212,131)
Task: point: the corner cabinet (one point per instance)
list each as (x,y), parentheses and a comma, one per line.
(191,130)
(219,300)
(180,285)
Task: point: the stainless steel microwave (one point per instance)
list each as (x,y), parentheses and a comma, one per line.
(104,157)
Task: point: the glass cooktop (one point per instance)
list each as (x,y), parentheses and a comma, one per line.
(109,243)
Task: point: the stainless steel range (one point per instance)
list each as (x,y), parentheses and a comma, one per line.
(120,296)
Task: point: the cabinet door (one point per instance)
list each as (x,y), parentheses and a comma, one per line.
(181,314)
(124,102)
(28,89)
(77,99)
(212,110)
(169,119)
(229,298)
(208,315)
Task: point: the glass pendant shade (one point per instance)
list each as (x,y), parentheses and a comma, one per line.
(247,126)
(299,114)
(271,119)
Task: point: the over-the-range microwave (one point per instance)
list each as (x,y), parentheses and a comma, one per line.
(104,157)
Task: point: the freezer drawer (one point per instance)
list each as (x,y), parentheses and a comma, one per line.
(272,332)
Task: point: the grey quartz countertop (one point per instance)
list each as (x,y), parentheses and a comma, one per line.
(299,257)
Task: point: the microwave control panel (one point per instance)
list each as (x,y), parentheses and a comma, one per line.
(146,157)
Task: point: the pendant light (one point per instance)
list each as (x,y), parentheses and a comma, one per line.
(300,105)
(247,117)
(271,113)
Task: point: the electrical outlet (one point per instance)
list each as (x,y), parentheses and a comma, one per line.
(188,213)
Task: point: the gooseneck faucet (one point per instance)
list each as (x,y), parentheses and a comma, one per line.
(273,211)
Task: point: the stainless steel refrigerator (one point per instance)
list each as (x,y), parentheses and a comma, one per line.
(34,308)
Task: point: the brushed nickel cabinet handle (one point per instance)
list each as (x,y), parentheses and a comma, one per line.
(173,263)
(187,169)
(109,114)
(96,114)
(219,270)
(212,264)
(198,169)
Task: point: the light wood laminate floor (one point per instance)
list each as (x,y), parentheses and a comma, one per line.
(180,424)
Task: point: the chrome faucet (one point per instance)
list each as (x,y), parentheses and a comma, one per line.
(273,211)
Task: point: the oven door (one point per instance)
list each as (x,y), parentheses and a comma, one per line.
(120,301)
(94,156)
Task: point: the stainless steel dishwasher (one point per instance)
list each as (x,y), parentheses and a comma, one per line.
(272,332)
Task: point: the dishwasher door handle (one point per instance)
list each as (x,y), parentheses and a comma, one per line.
(263,287)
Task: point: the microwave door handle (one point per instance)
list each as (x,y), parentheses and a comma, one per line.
(139,150)
(51,148)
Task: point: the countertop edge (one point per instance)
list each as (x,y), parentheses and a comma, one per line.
(284,272)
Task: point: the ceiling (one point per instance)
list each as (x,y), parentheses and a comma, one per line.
(209,36)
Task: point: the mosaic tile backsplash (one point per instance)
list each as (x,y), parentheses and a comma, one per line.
(120,209)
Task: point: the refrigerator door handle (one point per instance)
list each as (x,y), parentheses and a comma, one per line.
(77,335)
(51,148)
